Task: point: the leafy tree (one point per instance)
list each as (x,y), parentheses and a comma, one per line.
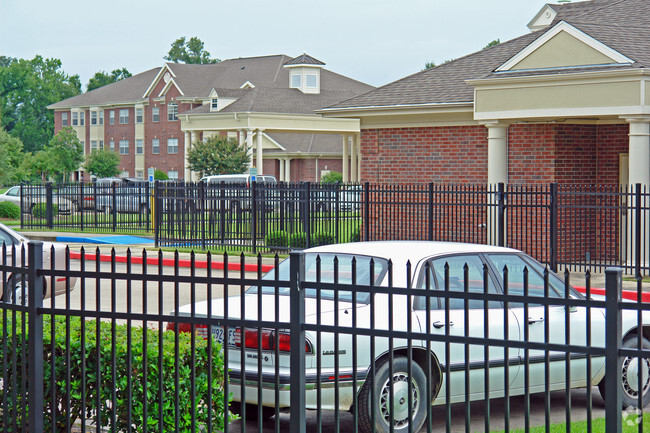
(218,155)
(39,164)
(27,87)
(191,51)
(102,78)
(493,43)
(429,65)
(66,151)
(332,177)
(102,163)
(11,158)
(160,175)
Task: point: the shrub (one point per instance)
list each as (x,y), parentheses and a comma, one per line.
(160,175)
(9,210)
(298,240)
(279,238)
(113,384)
(356,235)
(322,238)
(40,210)
(332,177)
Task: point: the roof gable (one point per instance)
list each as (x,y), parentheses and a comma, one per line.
(561,47)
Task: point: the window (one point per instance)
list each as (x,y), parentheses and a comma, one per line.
(64,119)
(139,174)
(125,173)
(214,104)
(101,144)
(172,174)
(172,111)
(124,147)
(296,80)
(139,115)
(111,117)
(101,117)
(172,145)
(111,144)
(155,146)
(93,145)
(139,147)
(82,118)
(93,118)
(124,116)
(75,118)
(155,114)
(311,80)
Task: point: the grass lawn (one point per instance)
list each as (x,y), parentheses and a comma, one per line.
(598,426)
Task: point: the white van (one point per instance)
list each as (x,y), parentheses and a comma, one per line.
(237,190)
(238,178)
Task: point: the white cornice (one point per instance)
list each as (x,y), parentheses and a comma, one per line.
(601,75)
(563,26)
(370,110)
(168,85)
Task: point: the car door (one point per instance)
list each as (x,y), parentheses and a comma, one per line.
(536,320)
(13,195)
(468,270)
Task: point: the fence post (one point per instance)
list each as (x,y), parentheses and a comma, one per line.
(637,229)
(501,223)
(307,213)
(254,216)
(297,337)
(157,211)
(199,208)
(35,340)
(554,226)
(366,196)
(613,362)
(49,206)
(81,201)
(114,207)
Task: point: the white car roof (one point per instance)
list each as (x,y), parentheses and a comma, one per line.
(402,251)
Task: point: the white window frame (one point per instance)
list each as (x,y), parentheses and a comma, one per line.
(75,118)
(172,146)
(111,145)
(310,77)
(100,116)
(124,116)
(155,146)
(139,146)
(93,118)
(296,81)
(124,147)
(139,115)
(214,104)
(93,145)
(155,114)
(172,111)
(172,174)
(64,119)
(111,117)
(82,118)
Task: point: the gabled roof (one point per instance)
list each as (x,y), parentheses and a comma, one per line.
(618,24)
(304,60)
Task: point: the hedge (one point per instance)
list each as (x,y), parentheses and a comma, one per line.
(40,210)
(278,238)
(113,384)
(9,210)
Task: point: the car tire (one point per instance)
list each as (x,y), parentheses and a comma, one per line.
(251,411)
(381,389)
(13,291)
(628,382)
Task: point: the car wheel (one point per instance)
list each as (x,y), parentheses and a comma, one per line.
(629,376)
(251,410)
(14,291)
(382,398)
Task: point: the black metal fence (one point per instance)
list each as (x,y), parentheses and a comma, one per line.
(567,226)
(325,343)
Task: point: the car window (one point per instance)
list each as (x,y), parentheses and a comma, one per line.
(475,282)
(516,265)
(6,239)
(14,192)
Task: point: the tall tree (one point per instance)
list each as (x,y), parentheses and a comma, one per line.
(27,87)
(102,78)
(493,43)
(218,155)
(102,163)
(191,51)
(11,158)
(66,152)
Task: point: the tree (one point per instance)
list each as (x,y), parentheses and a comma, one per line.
(218,155)
(160,175)
(66,152)
(191,51)
(102,78)
(493,43)
(429,65)
(11,158)
(102,163)
(27,87)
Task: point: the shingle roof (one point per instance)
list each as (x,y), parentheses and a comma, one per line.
(307,143)
(305,59)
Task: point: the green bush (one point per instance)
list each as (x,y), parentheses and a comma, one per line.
(160,175)
(322,238)
(112,387)
(356,235)
(298,240)
(40,210)
(279,238)
(332,177)
(9,210)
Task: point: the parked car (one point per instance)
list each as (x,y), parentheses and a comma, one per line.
(236,192)
(12,285)
(33,195)
(80,199)
(427,272)
(350,198)
(131,195)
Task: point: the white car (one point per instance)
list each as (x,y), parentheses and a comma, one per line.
(427,266)
(12,286)
(33,196)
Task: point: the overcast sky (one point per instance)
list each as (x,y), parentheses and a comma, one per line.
(374,41)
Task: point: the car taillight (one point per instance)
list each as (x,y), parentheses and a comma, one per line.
(182,327)
(251,340)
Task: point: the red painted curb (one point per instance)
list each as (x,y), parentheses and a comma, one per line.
(627,294)
(183,263)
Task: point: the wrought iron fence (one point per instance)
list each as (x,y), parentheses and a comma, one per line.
(377,345)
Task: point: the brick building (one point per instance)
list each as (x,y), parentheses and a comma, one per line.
(267,103)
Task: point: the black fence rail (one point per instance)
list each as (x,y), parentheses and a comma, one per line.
(329,342)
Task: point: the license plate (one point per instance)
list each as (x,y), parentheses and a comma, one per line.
(218,334)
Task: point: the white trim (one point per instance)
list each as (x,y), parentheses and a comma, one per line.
(213,94)
(247,85)
(278,145)
(563,26)
(163,69)
(168,85)
(554,113)
(534,23)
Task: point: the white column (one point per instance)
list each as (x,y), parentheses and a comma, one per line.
(249,145)
(188,143)
(358,139)
(639,151)
(259,160)
(346,159)
(281,174)
(316,176)
(287,173)
(497,153)
(353,159)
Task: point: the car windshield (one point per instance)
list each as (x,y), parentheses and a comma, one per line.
(327,274)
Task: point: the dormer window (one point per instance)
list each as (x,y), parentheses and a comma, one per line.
(305,73)
(311,80)
(296,80)
(214,104)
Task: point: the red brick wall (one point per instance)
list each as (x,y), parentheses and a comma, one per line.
(612,140)
(531,154)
